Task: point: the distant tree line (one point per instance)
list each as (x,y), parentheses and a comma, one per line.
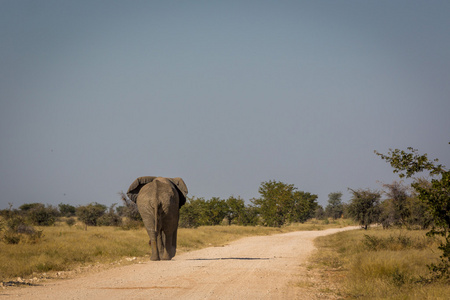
(401,207)
(279,204)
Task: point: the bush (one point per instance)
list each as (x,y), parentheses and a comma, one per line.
(90,214)
(41,215)
(67,210)
(109,219)
(10,237)
(71,221)
(16,229)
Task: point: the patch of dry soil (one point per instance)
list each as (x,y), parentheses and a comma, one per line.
(262,267)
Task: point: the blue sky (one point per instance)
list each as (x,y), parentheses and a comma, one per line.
(225,94)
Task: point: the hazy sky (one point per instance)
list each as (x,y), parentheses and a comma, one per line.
(225,94)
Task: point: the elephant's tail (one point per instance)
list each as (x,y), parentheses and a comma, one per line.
(156,190)
(156,217)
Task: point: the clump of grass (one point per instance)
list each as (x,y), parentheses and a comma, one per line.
(381,264)
(396,242)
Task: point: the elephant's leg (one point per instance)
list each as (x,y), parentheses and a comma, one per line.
(166,254)
(154,245)
(174,243)
(161,239)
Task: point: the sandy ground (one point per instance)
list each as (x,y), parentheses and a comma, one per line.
(263,267)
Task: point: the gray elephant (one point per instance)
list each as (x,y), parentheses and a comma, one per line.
(159,200)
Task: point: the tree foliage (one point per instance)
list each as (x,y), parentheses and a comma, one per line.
(214,211)
(364,206)
(200,212)
(435,195)
(39,214)
(67,210)
(43,215)
(403,208)
(282,203)
(190,213)
(89,214)
(335,208)
(239,213)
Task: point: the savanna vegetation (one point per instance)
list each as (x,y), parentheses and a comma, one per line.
(407,256)
(379,264)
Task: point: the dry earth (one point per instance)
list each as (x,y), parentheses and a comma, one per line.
(262,267)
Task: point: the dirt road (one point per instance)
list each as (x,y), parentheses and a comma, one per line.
(264,267)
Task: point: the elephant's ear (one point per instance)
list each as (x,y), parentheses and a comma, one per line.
(136,186)
(181,187)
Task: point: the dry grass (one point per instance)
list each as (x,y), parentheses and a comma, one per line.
(380,264)
(64,248)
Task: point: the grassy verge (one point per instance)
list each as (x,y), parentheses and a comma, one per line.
(64,248)
(379,264)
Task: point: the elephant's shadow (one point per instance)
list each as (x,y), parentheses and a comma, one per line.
(231,258)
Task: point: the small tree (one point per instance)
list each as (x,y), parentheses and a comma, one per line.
(435,195)
(275,202)
(395,209)
(364,206)
(282,203)
(334,208)
(319,214)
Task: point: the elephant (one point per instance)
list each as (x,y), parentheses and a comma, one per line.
(159,200)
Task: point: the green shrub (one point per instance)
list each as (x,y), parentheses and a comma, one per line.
(90,214)
(41,215)
(67,210)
